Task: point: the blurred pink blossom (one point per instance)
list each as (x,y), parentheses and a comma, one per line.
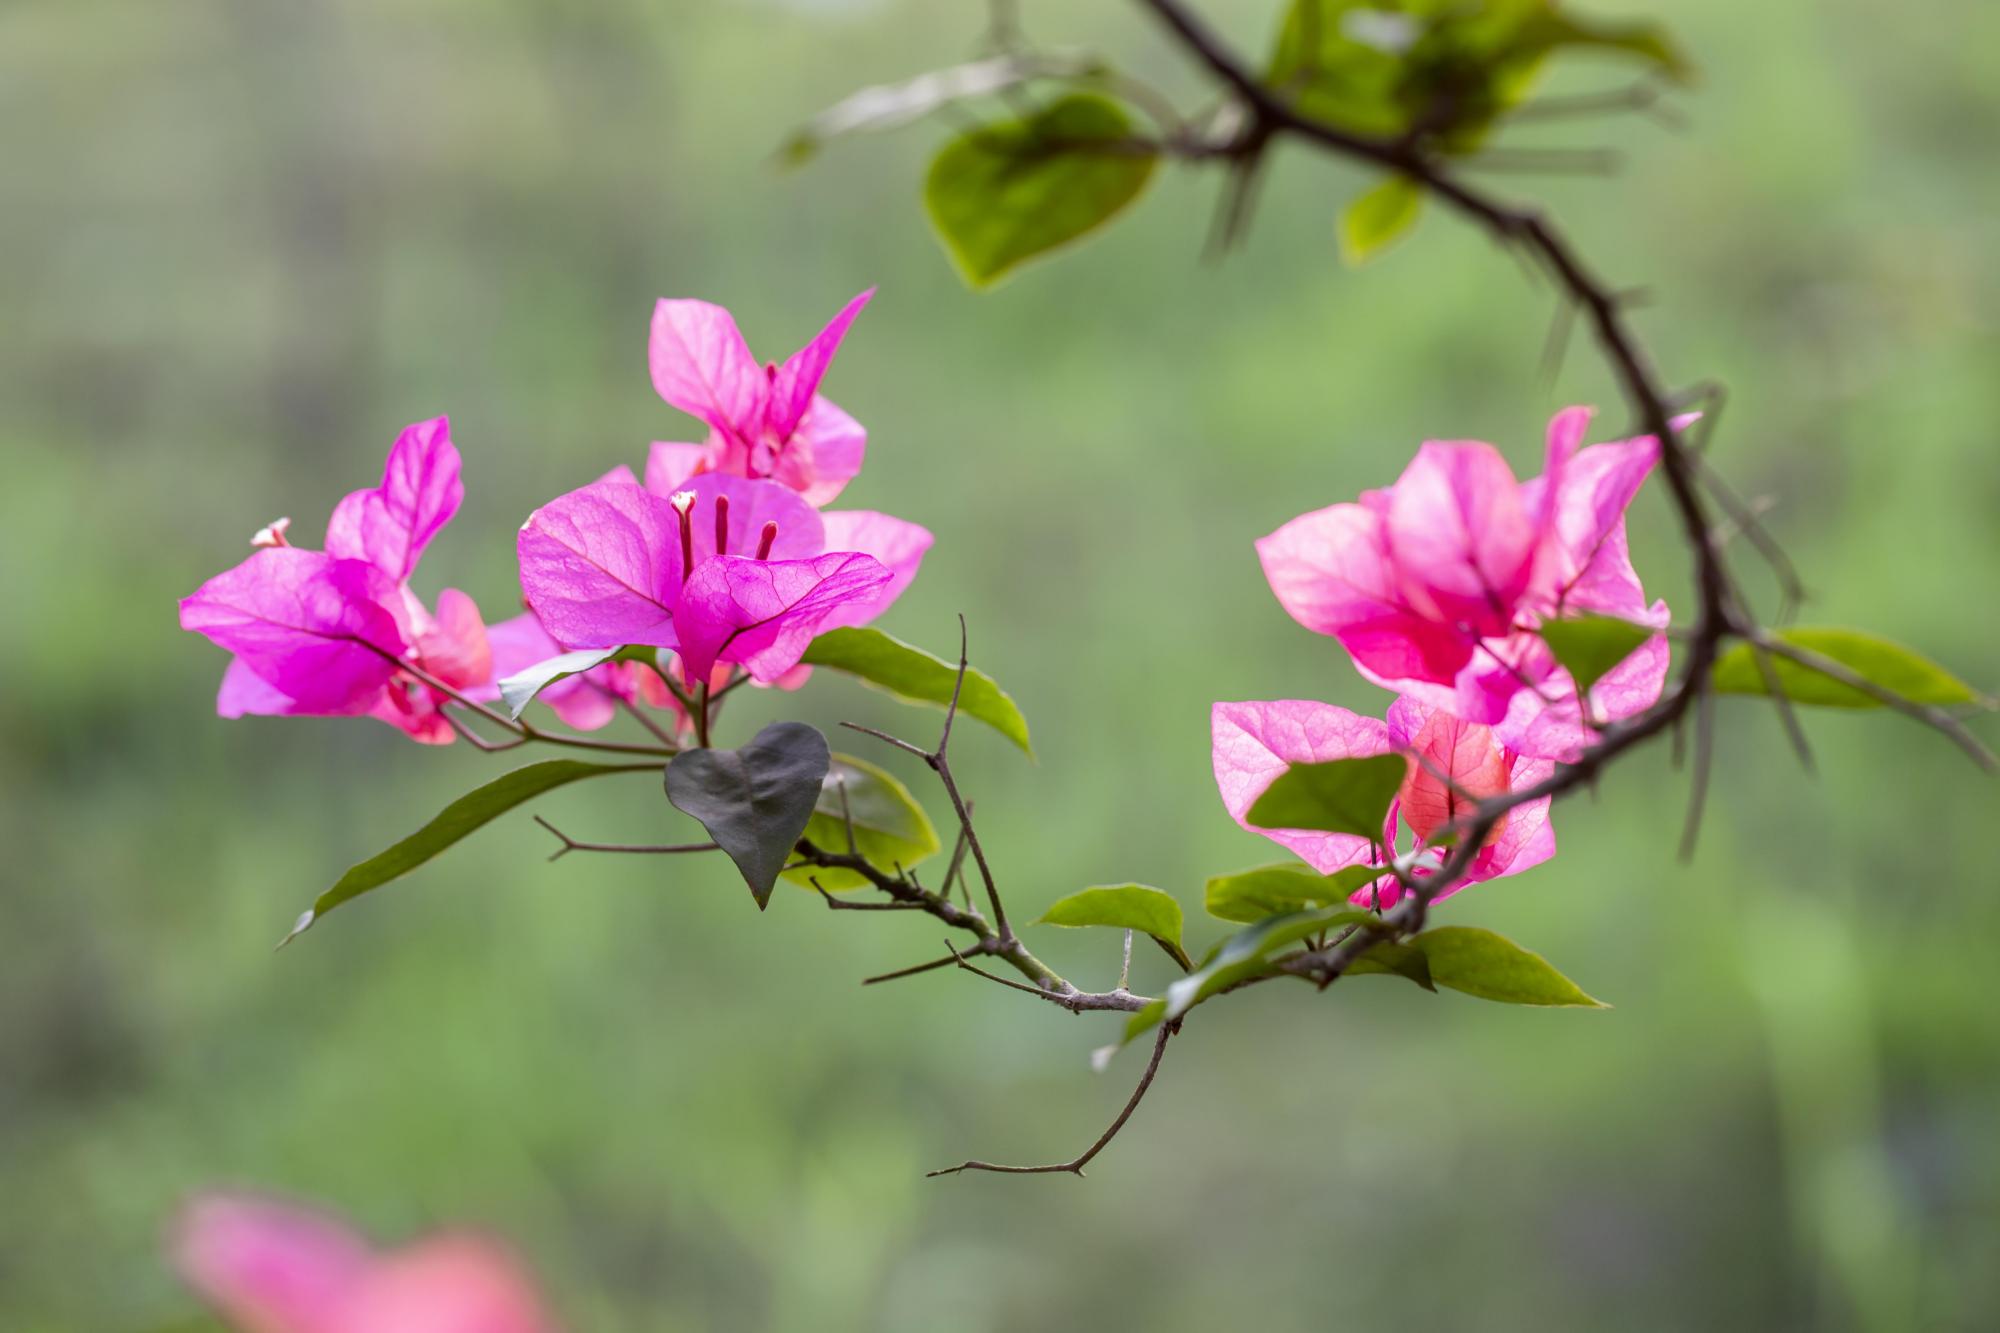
(272,1267)
(763,420)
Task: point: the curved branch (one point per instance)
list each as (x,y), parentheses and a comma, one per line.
(1075,1165)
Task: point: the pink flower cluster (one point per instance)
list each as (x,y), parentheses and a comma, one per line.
(1437,588)
(270,1267)
(722,556)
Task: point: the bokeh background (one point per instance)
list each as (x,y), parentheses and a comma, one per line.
(244,242)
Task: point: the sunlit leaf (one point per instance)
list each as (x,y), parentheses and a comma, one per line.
(1588,646)
(915,676)
(756,800)
(890,829)
(1240,958)
(1889,665)
(1012,190)
(1378,218)
(519,690)
(1477,962)
(1273,890)
(1336,796)
(1449,69)
(465,815)
(891,106)
(1397,957)
(1132,906)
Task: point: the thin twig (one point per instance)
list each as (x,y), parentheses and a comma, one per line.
(1704,766)
(1076,1164)
(1936,718)
(570,844)
(902,972)
(897,741)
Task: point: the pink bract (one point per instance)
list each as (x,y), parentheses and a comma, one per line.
(1436,585)
(725,569)
(764,420)
(1452,762)
(271,1267)
(322,632)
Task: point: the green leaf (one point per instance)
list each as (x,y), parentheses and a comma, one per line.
(1336,796)
(463,816)
(890,828)
(1132,906)
(1649,42)
(1477,962)
(755,801)
(1588,646)
(519,690)
(1239,958)
(1006,192)
(1395,958)
(1379,218)
(1889,665)
(915,676)
(1447,69)
(1273,890)
(891,106)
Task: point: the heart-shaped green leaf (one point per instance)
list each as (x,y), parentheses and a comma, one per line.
(1133,906)
(1336,796)
(891,831)
(754,801)
(1006,192)
(1588,646)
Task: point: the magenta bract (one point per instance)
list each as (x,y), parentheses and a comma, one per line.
(1436,585)
(765,421)
(1453,763)
(725,569)
(325,632)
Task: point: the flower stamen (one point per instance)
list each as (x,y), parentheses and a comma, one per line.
(683,506)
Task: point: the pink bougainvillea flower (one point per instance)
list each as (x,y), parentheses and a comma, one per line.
(1435,586)
(899,544)
(724,570)
(763,420)
(270,1267)
(1452,763)
(323,632)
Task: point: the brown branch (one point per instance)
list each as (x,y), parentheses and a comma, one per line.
(570,844)
(902,972)
(1604,310)
(1075,1165)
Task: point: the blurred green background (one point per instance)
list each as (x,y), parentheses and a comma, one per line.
(245,241)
